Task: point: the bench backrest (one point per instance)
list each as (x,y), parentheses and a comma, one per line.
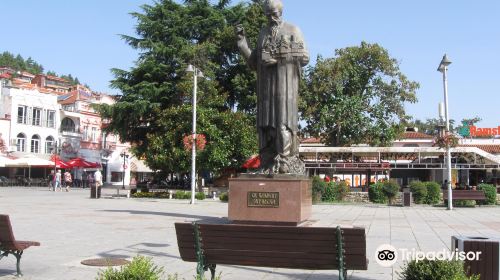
(465,194)
(273,246)
(7,240)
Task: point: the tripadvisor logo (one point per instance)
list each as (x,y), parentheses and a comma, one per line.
(387,255)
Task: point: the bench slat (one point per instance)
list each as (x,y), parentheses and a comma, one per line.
(465,195)
(273,246)
(269,259)
(225,228)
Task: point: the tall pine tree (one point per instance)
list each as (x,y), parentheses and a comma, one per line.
(154,112)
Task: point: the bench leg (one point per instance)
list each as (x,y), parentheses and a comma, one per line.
(18,255)
(212,270)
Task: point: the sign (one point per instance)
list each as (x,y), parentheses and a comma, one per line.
(263,199)
(474,131)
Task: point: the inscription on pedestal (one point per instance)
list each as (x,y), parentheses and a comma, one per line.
(263,199)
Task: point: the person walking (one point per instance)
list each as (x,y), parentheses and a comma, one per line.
(58,180)
(67,180)
(50,180)
(98,183)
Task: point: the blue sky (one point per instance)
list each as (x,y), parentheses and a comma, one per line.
(81,37)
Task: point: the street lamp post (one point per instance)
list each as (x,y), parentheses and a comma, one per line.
(196,74)
(443,68)
(125,157)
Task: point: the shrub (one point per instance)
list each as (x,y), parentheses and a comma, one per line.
(465,203)
(224,197)
(182,195)
(143,195)
(435,270)
(318,188)
(329,194)
(376,194)
(141,268)
(491,193)
(342,189)
(199,196)
(335,191)
(433,193)
(419,191)
(391,190)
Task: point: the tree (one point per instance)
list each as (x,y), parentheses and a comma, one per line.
(356,97)
(154,112)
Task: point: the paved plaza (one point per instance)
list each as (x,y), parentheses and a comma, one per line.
(71,228)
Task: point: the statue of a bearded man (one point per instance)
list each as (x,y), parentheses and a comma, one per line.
(278,59)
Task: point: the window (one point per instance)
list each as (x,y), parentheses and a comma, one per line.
(94,134)
(86,133)
(51,118)
(36,117)
(67,125)
(21,142)
(35,144)
(49,144)
(22,114)
(116,177)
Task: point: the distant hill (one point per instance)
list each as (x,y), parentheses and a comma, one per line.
(18,63)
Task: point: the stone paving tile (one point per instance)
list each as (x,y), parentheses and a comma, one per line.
(72,227)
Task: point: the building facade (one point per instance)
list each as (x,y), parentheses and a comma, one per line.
(41,115)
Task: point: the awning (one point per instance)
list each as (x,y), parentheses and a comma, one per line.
(29,161)
(139,166)
(4,161)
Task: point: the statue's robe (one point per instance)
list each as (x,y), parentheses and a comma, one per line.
(278,90)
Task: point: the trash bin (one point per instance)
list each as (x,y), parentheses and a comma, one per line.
(95,192)
(407,198)
(487,266)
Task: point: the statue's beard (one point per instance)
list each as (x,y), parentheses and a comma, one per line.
(274,24)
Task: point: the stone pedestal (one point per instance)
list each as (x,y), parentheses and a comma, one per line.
(274,200)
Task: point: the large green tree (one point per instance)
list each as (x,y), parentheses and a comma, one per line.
(154,112)
(356,97)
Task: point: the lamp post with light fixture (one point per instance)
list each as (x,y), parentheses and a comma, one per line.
(125,156)
(196,74)
(443,68)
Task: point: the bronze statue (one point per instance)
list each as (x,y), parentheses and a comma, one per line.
(278,59)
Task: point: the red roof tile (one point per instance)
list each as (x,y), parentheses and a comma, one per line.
(416,135)
(492,149)
(311,140)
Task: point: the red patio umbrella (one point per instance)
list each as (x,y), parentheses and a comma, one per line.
(80,162)
(252,163)
(59,162)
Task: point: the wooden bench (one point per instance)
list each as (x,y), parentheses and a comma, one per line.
(9,245)
(310,248)
(464,195)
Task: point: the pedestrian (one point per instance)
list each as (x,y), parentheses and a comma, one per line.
(50,180)
(78,178)
(58,180)
(98,178)
(67,180)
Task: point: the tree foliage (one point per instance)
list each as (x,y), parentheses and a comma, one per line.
(18,63)
(154,112)
(358,96)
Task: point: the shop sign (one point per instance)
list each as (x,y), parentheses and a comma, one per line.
(474,131)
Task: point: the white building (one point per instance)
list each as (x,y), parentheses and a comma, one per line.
(33,120)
